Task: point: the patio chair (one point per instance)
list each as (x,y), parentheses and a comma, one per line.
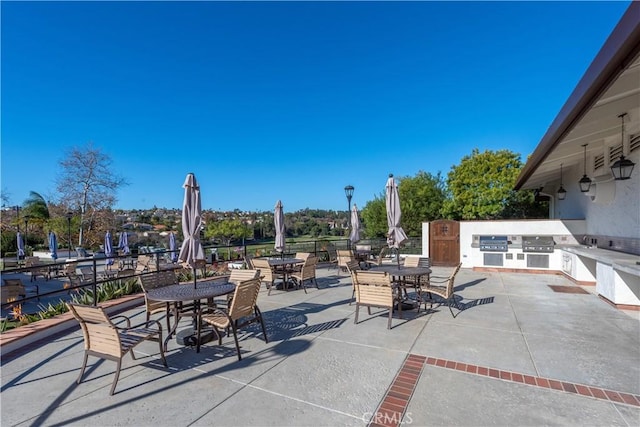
(378,260)
(344,256)
(152,281)
(104,339)
(248,262)
(374,289)
(267,275)
(12,288)
(86,274)
(351,267)
(36,268)
(414,261)
(307,272)
(242,312)
(333,255)
(444,288)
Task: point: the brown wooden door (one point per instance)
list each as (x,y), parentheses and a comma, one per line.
(444,242)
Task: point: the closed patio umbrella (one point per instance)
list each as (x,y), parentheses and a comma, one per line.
(396,234)
(278,219)
(172,247)
(191,249)
(354,236)
(108,248)
(123,243)
(20,245)
(53,245)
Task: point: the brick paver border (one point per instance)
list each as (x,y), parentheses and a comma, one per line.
(395,402)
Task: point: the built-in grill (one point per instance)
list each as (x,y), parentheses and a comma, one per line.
(494,244)
(539,244)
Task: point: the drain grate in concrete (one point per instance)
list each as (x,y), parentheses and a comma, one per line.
(568,289)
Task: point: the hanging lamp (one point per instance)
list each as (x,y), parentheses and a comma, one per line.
(622,167)
(585,181)
(562,193)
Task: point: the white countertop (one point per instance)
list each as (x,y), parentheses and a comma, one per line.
(628,263)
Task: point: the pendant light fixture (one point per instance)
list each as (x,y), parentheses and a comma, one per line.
(562,193)
(622,168)
(585,181)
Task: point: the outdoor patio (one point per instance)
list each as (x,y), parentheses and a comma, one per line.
(520,353)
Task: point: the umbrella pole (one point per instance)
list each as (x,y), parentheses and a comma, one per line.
(195,282)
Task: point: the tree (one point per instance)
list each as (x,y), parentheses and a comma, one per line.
(87,183)
(374,218)
(35,208)
(227,230)
(421,200)
(481,187)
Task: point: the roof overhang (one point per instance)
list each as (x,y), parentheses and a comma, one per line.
(610,87)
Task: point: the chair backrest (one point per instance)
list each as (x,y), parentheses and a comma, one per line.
(244,299)
(378,261)
(415,261)
(266,273)
(69,268)
(126,272)
(32,261)
(303,255)
(308,269)
(158,279)
(373,287)
(248,261)
(353,265)
(238,276)
(363,247)
(452,278)
(344,256)
(12,289)
(333,254)
(100,334)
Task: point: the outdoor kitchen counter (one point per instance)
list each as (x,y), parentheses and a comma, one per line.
(617,274)
(628,263)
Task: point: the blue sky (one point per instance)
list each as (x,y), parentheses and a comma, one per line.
(282,100)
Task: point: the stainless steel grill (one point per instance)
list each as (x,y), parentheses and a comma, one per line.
(494,244)
(539,244)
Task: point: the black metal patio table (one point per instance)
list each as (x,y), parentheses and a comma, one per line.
(176,294)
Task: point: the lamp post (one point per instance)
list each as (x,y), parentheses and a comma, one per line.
(69,215)
(348,191)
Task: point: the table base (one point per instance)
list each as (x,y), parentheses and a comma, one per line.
(187,337)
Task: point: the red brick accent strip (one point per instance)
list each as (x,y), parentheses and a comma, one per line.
(563,386)
(394,404)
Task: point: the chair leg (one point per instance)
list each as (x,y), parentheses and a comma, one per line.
(261,320)
(390,317)
(198,329)
(357,311)
(303,286)
(235,338)
(164,361)
(115,380)
(84,365)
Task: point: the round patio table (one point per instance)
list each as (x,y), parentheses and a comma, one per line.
(204,289)
(284,266)
(402,272)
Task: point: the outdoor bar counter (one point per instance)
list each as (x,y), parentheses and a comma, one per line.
(616,274)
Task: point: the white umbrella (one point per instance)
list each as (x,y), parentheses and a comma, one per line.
(53,245)
(354,236)
(191,249)
(396,234)
(278,219)
(108,248)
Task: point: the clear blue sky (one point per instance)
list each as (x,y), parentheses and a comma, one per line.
(282,100)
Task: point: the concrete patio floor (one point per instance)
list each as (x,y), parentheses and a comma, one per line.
(520,353)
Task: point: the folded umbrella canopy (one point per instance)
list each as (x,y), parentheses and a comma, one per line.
(396,234)
(172,247)
(191,249)
(53,245)
(20,245)
(278,219)
(108,248)
(354,236)
(123,243)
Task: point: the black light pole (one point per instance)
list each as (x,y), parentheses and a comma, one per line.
(69,216)
(348,191)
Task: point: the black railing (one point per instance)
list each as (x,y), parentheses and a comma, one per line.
(223,253)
